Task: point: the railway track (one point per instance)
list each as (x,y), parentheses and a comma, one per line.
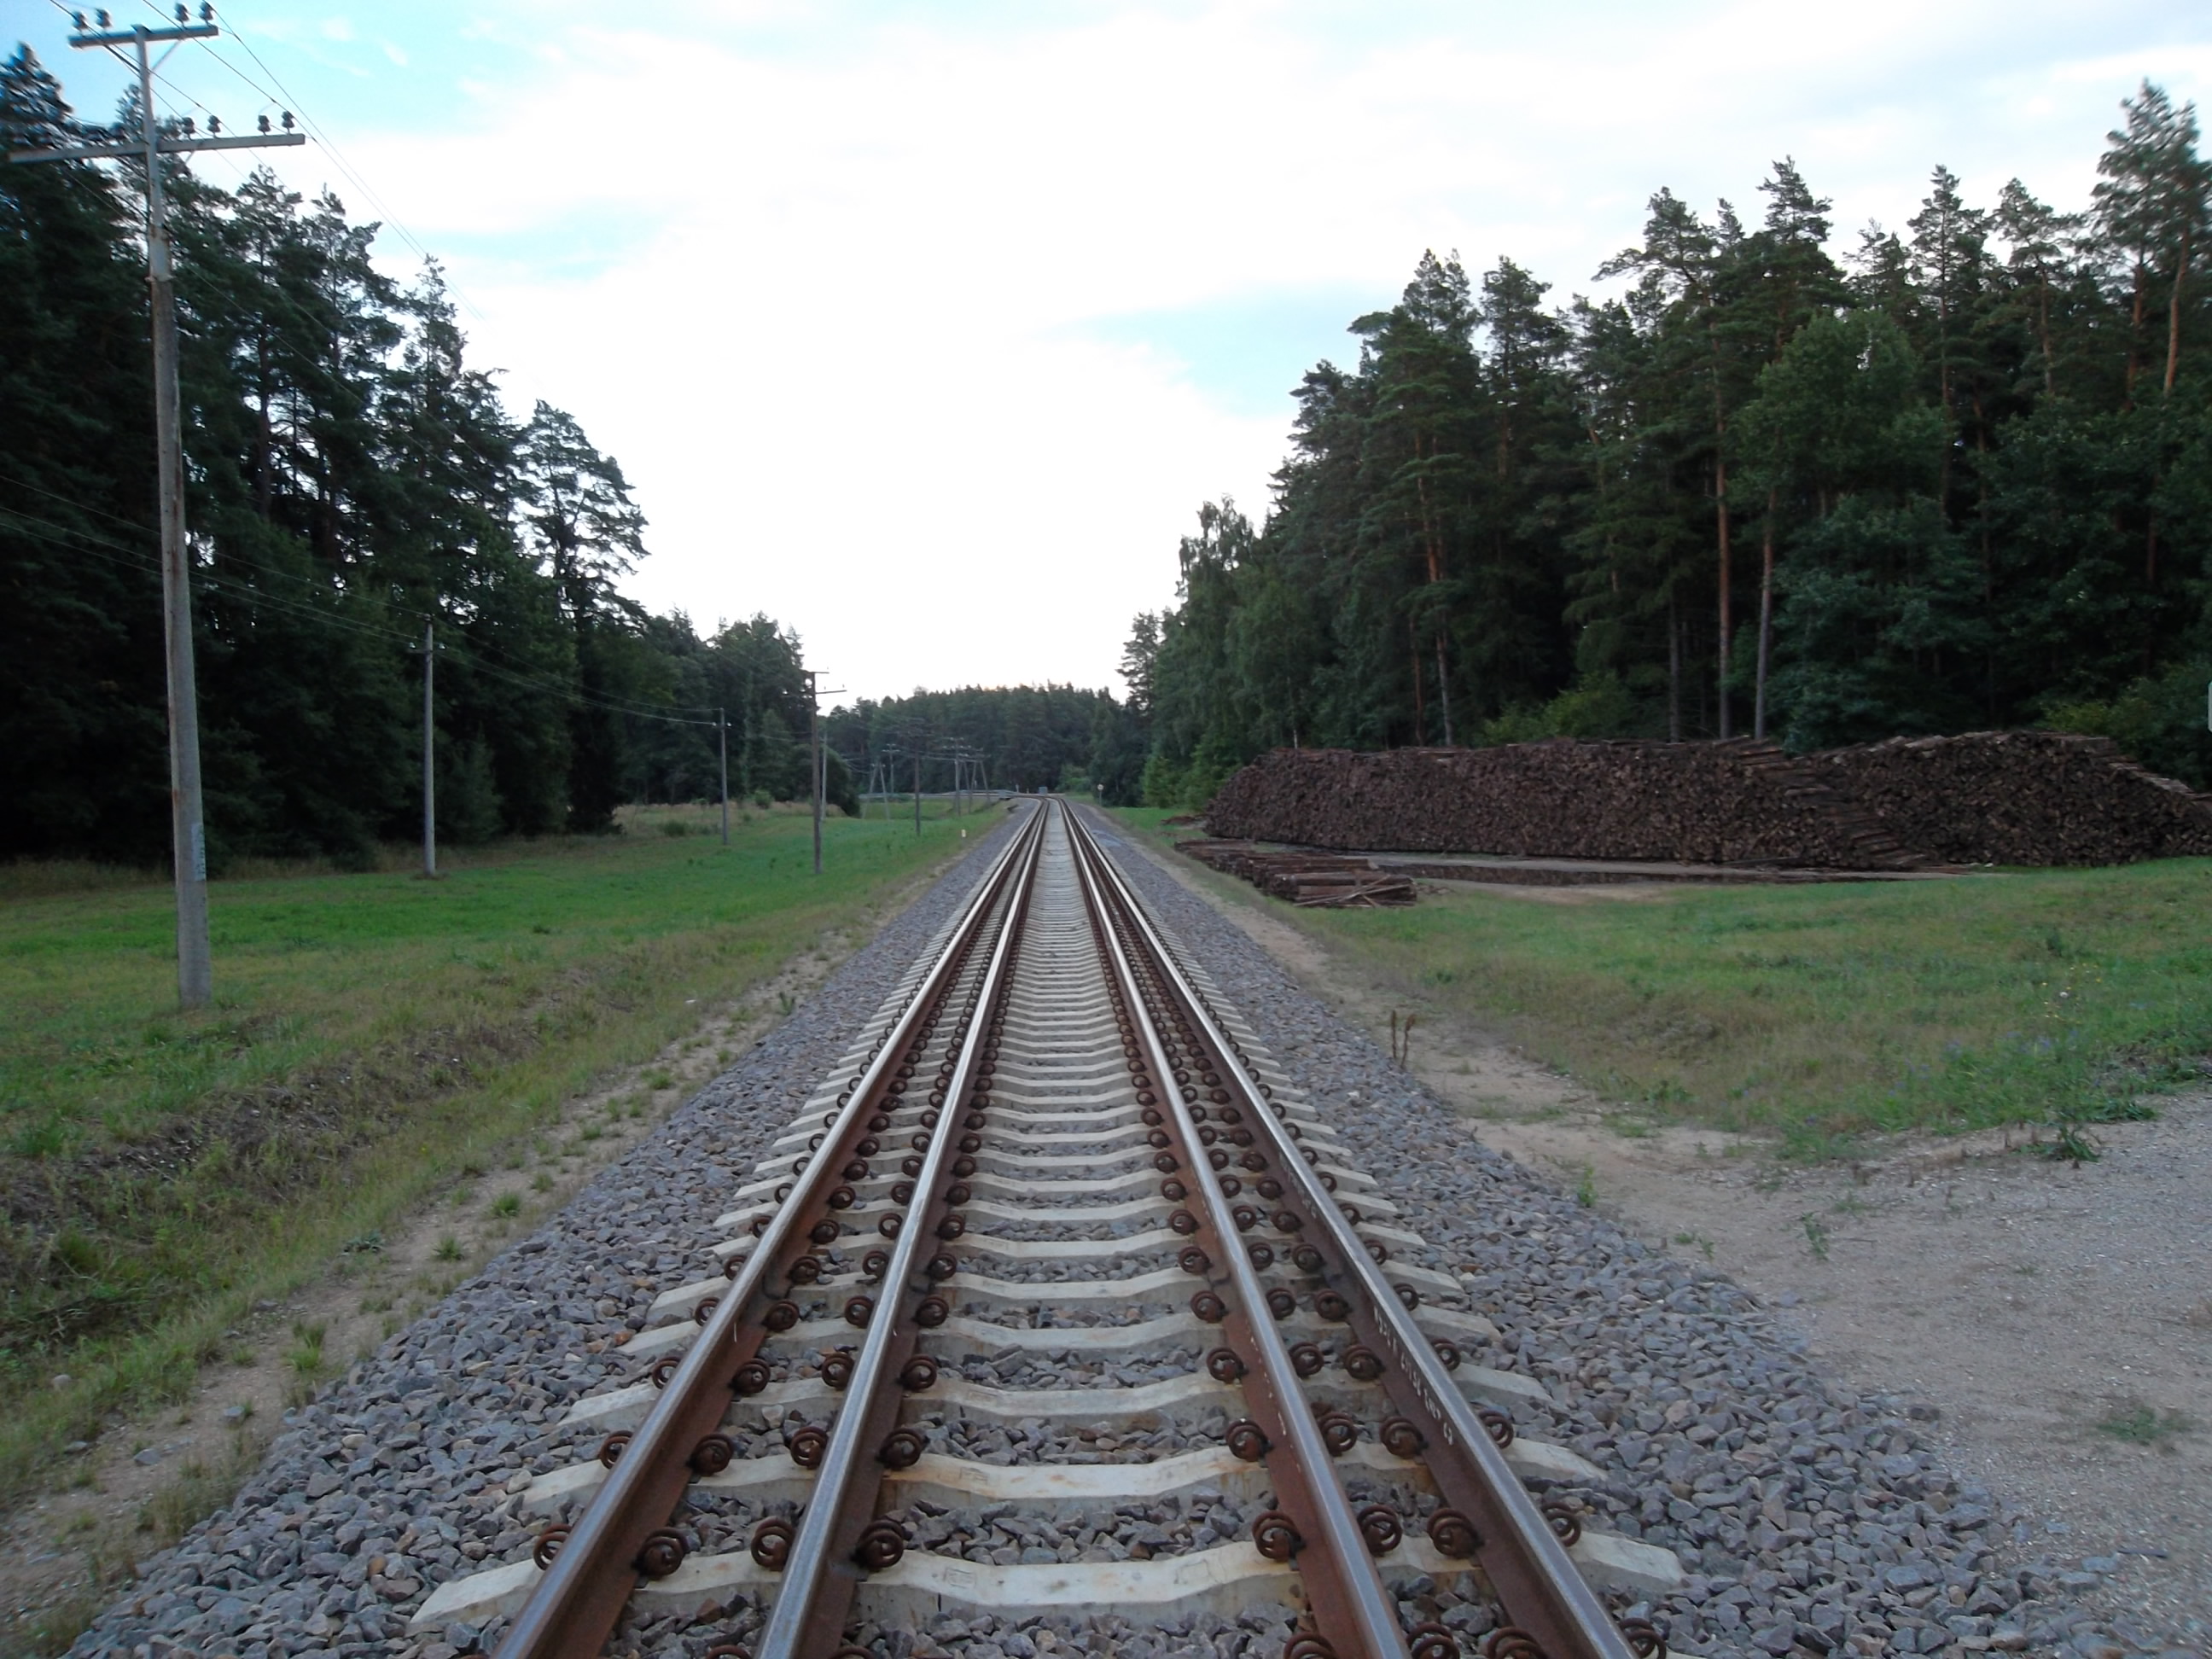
(1057,1301)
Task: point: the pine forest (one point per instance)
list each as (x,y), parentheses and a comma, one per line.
(1821,489)
(1785,483)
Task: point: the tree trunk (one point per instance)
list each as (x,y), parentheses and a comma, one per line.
(1674,673)
(2043,329)
(2135,339)
(1432,550)
(1720,496)
(2173,314)
(1765,616)
(1420,712)
(1443,690)
(1988,557)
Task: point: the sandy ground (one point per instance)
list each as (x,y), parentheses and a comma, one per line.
(2053,1320)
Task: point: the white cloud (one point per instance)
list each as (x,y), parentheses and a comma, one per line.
(840,345)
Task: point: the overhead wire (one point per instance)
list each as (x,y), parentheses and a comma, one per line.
(282,97)
(62,535)
(312,585)
(322,136)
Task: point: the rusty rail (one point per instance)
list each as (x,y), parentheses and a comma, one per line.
(624,1533)
(1351,1610)
(1520,1548)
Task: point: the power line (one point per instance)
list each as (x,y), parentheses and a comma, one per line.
(215,582)
(311,584)
(282,96)
(323,138)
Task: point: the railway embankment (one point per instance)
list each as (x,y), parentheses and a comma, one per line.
(1803,1514)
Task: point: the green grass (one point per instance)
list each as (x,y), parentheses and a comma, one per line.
(1820,1013)
(2141,1426)
(376,1037)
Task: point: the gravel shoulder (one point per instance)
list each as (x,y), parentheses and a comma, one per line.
(2046,1326)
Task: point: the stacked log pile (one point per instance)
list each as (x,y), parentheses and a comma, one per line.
(1710,802)
(2021,797)
(1310,880)
(2026,798)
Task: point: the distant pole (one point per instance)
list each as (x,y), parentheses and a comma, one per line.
(917,790)
(814,753)
(187,825)
(723,742)
(430,759)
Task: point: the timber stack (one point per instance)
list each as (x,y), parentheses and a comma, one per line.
(2021,797)
(1710,802)
(1310,880)
(2017,798)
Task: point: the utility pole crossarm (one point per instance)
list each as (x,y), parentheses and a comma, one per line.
(201,31)
(164,147)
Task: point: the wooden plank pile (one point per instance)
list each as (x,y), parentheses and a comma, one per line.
(1310,880)
(2024,798)
(1707,803)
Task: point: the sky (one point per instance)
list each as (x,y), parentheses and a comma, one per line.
(926,328)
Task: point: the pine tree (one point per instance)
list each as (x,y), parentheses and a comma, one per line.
(2151,203)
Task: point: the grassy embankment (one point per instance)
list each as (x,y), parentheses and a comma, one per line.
(375,1037)
(1817,1014)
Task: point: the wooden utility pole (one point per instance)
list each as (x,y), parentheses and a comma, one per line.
(723,742)
(818,757)
(430,760)
(814,756)
(187,826)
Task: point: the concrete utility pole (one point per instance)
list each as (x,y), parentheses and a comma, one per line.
(722,741)
(187,827)
(430,760)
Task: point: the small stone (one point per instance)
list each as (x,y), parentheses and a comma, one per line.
(60,1380)
(1776,1639)
(150,1457)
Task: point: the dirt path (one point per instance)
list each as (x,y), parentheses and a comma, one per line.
(2052,1320)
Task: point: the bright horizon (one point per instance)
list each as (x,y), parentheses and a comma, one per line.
(926,329)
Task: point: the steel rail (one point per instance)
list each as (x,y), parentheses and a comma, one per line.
(1538,1583)
(1353,1610)
(820,1575)
(593,1568)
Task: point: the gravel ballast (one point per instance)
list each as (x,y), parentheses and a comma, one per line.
(1808,1520)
